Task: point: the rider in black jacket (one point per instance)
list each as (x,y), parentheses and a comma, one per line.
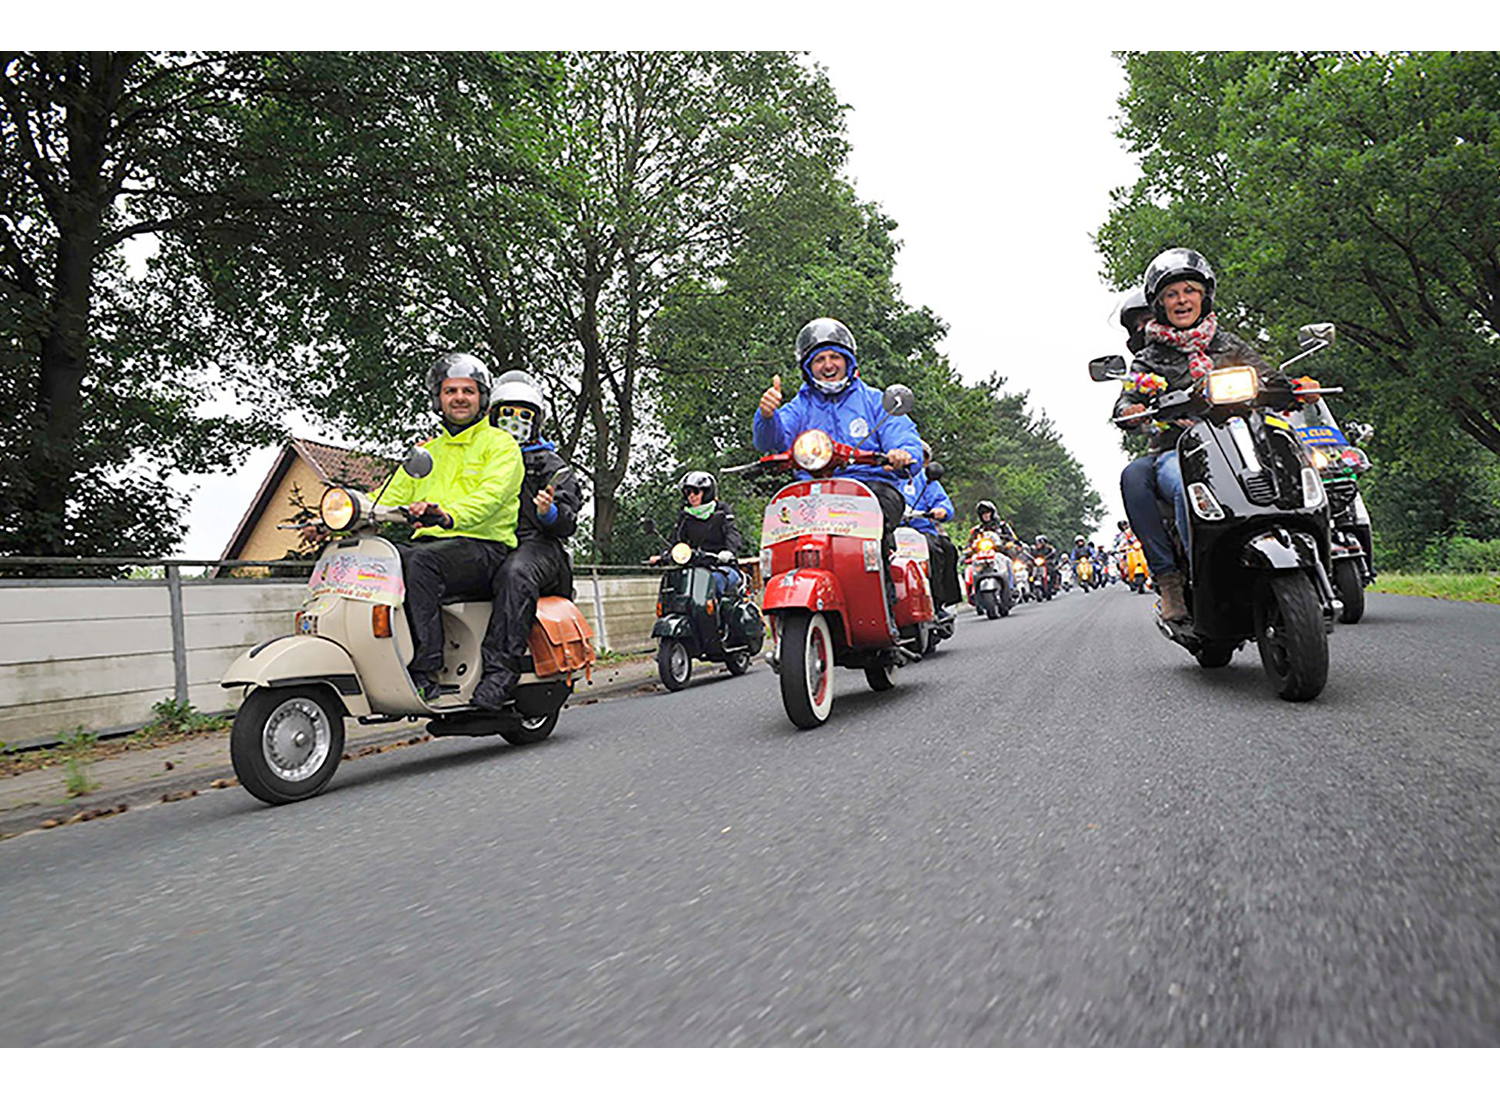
(539,565)
(706,524)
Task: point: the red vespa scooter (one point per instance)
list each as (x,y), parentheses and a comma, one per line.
(821,562)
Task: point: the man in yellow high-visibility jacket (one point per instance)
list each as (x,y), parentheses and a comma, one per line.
(466,511)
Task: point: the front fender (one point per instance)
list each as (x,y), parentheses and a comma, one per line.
(300,659)
(672,626)
(806,590)
(1278,550)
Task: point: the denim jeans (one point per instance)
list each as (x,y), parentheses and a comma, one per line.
(1145,479)
(726,578)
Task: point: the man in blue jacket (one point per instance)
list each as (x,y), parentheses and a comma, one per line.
(924,493)
(835,399)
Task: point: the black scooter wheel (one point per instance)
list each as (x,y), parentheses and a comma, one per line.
(1351,590)
(1289,631)
(286,743)
(674,663)
(879,677)
(531,729)
(739,664)
(1215,654)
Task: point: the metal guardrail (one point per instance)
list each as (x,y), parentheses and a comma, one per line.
(173,579)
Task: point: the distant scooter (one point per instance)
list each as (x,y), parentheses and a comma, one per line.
(693,623)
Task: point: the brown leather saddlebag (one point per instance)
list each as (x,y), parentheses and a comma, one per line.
(561,638)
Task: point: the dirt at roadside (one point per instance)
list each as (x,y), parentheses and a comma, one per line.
(152,737)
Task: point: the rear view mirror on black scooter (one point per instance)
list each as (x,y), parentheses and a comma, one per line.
(1107,367)
(1319,333)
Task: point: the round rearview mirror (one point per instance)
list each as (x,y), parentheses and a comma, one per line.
(417,463)
(898,400)
(648,525)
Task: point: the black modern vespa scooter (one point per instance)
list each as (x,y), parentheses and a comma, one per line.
(692,623)
(1258,564)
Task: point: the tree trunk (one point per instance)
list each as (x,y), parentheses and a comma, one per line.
(93,95)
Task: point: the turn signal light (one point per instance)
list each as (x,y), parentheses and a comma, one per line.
(380,620)
(1206,504)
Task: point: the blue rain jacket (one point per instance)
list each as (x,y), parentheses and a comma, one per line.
(849,417)
(921,494)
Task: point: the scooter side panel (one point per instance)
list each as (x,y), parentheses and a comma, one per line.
(301,658)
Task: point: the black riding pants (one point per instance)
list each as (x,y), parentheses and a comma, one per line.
(440,569)
(945,586)
(536,567)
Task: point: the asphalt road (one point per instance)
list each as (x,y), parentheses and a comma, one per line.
(1059,831)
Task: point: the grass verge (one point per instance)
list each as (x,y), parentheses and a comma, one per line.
(1477,587)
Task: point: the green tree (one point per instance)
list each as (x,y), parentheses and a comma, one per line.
(1356,188)
(248,171)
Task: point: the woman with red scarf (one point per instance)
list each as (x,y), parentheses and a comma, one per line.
(1183,343)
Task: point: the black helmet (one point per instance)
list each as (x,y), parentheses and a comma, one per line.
(826,332)
(983,505)
(698,479)
(1133,310)
(1121,524)
(457,364)
(515,394)
(1169,267)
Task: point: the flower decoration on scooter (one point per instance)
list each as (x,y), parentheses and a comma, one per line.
(1144,382)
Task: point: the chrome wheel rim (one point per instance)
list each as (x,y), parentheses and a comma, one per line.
(534,722)
(679,661)
(297,739)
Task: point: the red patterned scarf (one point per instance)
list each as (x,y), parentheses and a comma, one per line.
(1192,341)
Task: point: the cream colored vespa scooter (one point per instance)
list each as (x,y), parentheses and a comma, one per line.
(348,653)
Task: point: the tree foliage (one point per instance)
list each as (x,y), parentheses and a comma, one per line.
(1355,188)
(250,172)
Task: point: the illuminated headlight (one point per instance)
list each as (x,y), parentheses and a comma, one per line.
(682,553)
(1233,385)
(338,509)
(1312,488)
(1319,458)
(985,546)
(1207,505)
(813,450)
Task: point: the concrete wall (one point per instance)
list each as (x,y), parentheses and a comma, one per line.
(98,654)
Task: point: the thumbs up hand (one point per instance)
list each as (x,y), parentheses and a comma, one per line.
(770,401)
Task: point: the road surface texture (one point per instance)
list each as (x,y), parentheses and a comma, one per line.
(1058,831)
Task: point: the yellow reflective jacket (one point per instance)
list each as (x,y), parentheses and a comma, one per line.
(476,478)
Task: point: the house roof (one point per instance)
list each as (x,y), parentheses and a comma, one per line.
(333,465)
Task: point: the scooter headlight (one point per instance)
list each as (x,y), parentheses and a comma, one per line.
(1233,385)
(1319,458)
(682,553)
(813,450)
(338,509)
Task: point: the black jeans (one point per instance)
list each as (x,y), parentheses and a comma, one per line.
(439,569)
(945,587)
(535,568)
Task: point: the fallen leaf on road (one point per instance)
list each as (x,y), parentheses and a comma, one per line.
(178,796)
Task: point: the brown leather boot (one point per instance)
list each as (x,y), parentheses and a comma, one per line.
(1173,606)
